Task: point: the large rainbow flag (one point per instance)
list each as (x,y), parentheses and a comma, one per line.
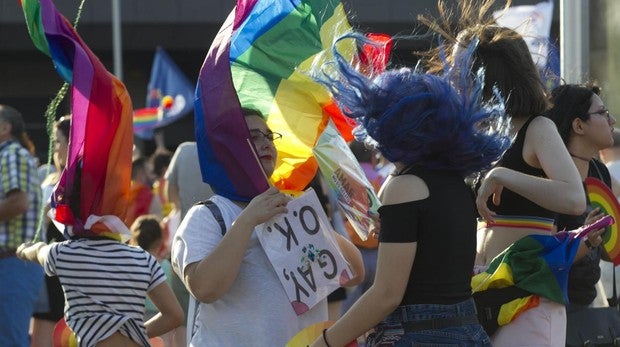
(257,61)
(96,180)
(538,264)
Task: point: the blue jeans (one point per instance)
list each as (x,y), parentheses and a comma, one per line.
(21,281)
(390,331)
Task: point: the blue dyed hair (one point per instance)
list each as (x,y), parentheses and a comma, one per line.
(434,122)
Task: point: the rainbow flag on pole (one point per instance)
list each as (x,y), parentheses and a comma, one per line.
(168,98)
(96,179)
(257,61)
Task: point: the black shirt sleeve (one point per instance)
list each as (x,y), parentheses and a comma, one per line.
(399,222)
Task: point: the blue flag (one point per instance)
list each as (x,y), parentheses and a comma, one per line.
(169,96)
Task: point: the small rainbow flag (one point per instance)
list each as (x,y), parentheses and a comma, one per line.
(602,197)
(168,98)
(145,118)
(257,61)
(538,264)
(96,179)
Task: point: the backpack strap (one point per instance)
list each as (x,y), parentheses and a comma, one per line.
(192,311)
(217,214)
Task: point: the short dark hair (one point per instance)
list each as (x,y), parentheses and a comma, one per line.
(160,161)
(138,163)
(146,231)
(18,128)
(571,101)
(251,112)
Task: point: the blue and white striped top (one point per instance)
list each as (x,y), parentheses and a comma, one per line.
(105,284)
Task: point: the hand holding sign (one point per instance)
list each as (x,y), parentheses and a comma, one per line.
(303,251)
(265,205)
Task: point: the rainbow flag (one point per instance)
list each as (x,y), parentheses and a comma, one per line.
(96,179)
(257,61)
(145,119)
(168,98)
(536,263)
(602,197)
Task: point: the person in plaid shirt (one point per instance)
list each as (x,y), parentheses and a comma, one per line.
(19,207)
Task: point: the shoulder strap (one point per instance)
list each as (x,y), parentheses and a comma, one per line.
(217,213)
(192,311)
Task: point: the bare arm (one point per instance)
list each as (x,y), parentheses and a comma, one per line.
(35,252)
(394,262)
(15,203)
(393,265)
(214,275)
(561,192)
(353,256)
(170,313)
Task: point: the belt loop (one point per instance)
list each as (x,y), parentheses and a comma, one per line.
(404,314)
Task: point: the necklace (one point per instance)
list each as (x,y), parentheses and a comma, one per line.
(587,160)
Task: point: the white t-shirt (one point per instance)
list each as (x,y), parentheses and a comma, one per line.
(256,311)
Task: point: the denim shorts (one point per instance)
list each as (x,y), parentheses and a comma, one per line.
(390,332)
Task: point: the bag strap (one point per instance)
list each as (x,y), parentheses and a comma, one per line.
(192,310)
(217,214)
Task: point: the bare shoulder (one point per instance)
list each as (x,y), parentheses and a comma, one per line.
(403,188)
(543,136)
(542,126)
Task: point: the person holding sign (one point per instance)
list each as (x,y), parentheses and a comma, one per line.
(224,266)
(435,136)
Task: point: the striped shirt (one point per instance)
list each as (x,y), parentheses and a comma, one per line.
(18,171)
(105,284)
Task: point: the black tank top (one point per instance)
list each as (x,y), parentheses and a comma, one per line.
(513,204)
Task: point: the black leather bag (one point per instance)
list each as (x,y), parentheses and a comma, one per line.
(488,303)
(593,326)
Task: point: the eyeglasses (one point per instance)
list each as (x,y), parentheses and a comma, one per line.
(258,136)
(604,112)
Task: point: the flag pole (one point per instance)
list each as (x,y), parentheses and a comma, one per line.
(574,40)
(116,39)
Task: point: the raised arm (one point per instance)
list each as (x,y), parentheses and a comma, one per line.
(214,275)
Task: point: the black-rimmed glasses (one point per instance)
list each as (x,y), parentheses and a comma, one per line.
(258,136)
(604,112)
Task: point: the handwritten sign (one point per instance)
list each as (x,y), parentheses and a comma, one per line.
(302,249)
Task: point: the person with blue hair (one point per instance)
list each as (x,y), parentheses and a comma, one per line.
(437,130)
